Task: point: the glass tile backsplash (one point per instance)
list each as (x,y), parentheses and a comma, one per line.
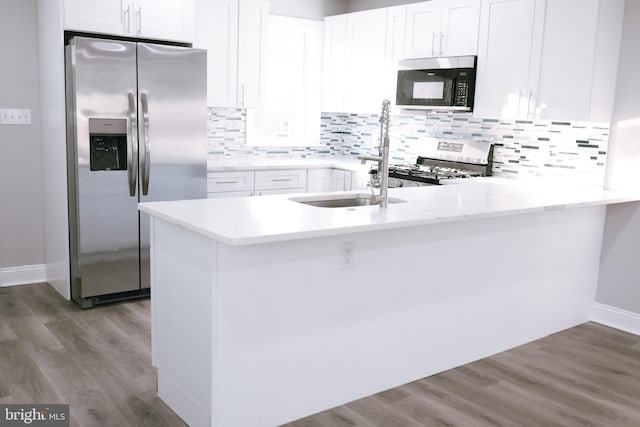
(575,151)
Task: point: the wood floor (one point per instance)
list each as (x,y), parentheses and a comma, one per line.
(585,376)
(98,361)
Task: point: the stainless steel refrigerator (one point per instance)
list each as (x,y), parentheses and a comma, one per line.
(136,132)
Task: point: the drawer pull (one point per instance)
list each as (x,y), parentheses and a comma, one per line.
(282,180)
(227,182)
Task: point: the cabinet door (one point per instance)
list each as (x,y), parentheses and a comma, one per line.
(396,26)
(172,20)
(335,63)
(252,46)
(98,16)
(217,32)
(508,57)
(319,180)
(460,20)
(341,180)
(568,56)
(423,30)
(366,38)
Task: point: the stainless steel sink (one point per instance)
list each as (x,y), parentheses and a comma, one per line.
(342,200)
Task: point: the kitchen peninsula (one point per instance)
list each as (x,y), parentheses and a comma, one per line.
(265,310)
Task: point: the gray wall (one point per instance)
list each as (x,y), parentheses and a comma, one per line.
(309,9)
(619,281)
(21,211)
(357,5)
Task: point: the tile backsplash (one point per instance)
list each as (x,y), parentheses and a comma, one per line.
(523,149)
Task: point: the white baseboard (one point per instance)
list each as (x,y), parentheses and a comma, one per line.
(23,275)
(182,403)
(618,318)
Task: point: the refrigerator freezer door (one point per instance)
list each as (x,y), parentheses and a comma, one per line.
(103,194)
(172,122)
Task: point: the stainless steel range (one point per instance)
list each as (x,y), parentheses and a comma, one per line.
(443,161)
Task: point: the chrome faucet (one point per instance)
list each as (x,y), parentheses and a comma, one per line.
(383,156)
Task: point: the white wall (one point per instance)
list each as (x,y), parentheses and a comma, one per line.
(309,9)
(618,284)
(21,211)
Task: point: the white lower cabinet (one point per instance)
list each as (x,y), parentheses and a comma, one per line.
(319,180)
(283,181)
(211,195)
(292,180)
(332,179)
(230,184)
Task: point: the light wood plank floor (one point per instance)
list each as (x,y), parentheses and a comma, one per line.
(585,376)
(98,361)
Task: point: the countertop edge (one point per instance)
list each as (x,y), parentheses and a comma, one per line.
(329,232)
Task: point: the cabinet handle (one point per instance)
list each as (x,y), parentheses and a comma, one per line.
(519,102)
(139,19)
(242,93)
(441,49)
(127,21)
(227,182)
(282,180)
(529,104)
(433,44)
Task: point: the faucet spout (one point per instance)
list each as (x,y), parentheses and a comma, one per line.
(383,155)
(363,158)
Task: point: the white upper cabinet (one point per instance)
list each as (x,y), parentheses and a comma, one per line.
(578,68)
(234,33)
(335,63)
(217,32)
(442,28)
(171,20)
(361,51)
(252,49)
(107,16)
(509,49)
(368,71)
(553,59)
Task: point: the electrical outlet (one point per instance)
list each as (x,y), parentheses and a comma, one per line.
(346,255)
(15,116)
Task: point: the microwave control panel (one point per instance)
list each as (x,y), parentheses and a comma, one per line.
(462,89)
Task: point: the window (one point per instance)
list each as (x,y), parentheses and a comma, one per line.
(291,114)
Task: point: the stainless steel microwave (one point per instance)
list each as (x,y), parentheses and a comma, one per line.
(446,83)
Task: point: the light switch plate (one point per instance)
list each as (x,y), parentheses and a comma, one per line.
(15,116)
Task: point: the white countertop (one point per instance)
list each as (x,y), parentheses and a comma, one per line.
(254,220)
(351,165)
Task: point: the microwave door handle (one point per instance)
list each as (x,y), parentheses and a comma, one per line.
(132,146)
(147,144)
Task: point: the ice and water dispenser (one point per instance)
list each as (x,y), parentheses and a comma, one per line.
(108,144)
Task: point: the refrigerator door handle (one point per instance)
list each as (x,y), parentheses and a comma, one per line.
(132,146)
(147,148)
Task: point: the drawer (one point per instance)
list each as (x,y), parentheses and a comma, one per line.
(277,179)
(229,194)
(229,181)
